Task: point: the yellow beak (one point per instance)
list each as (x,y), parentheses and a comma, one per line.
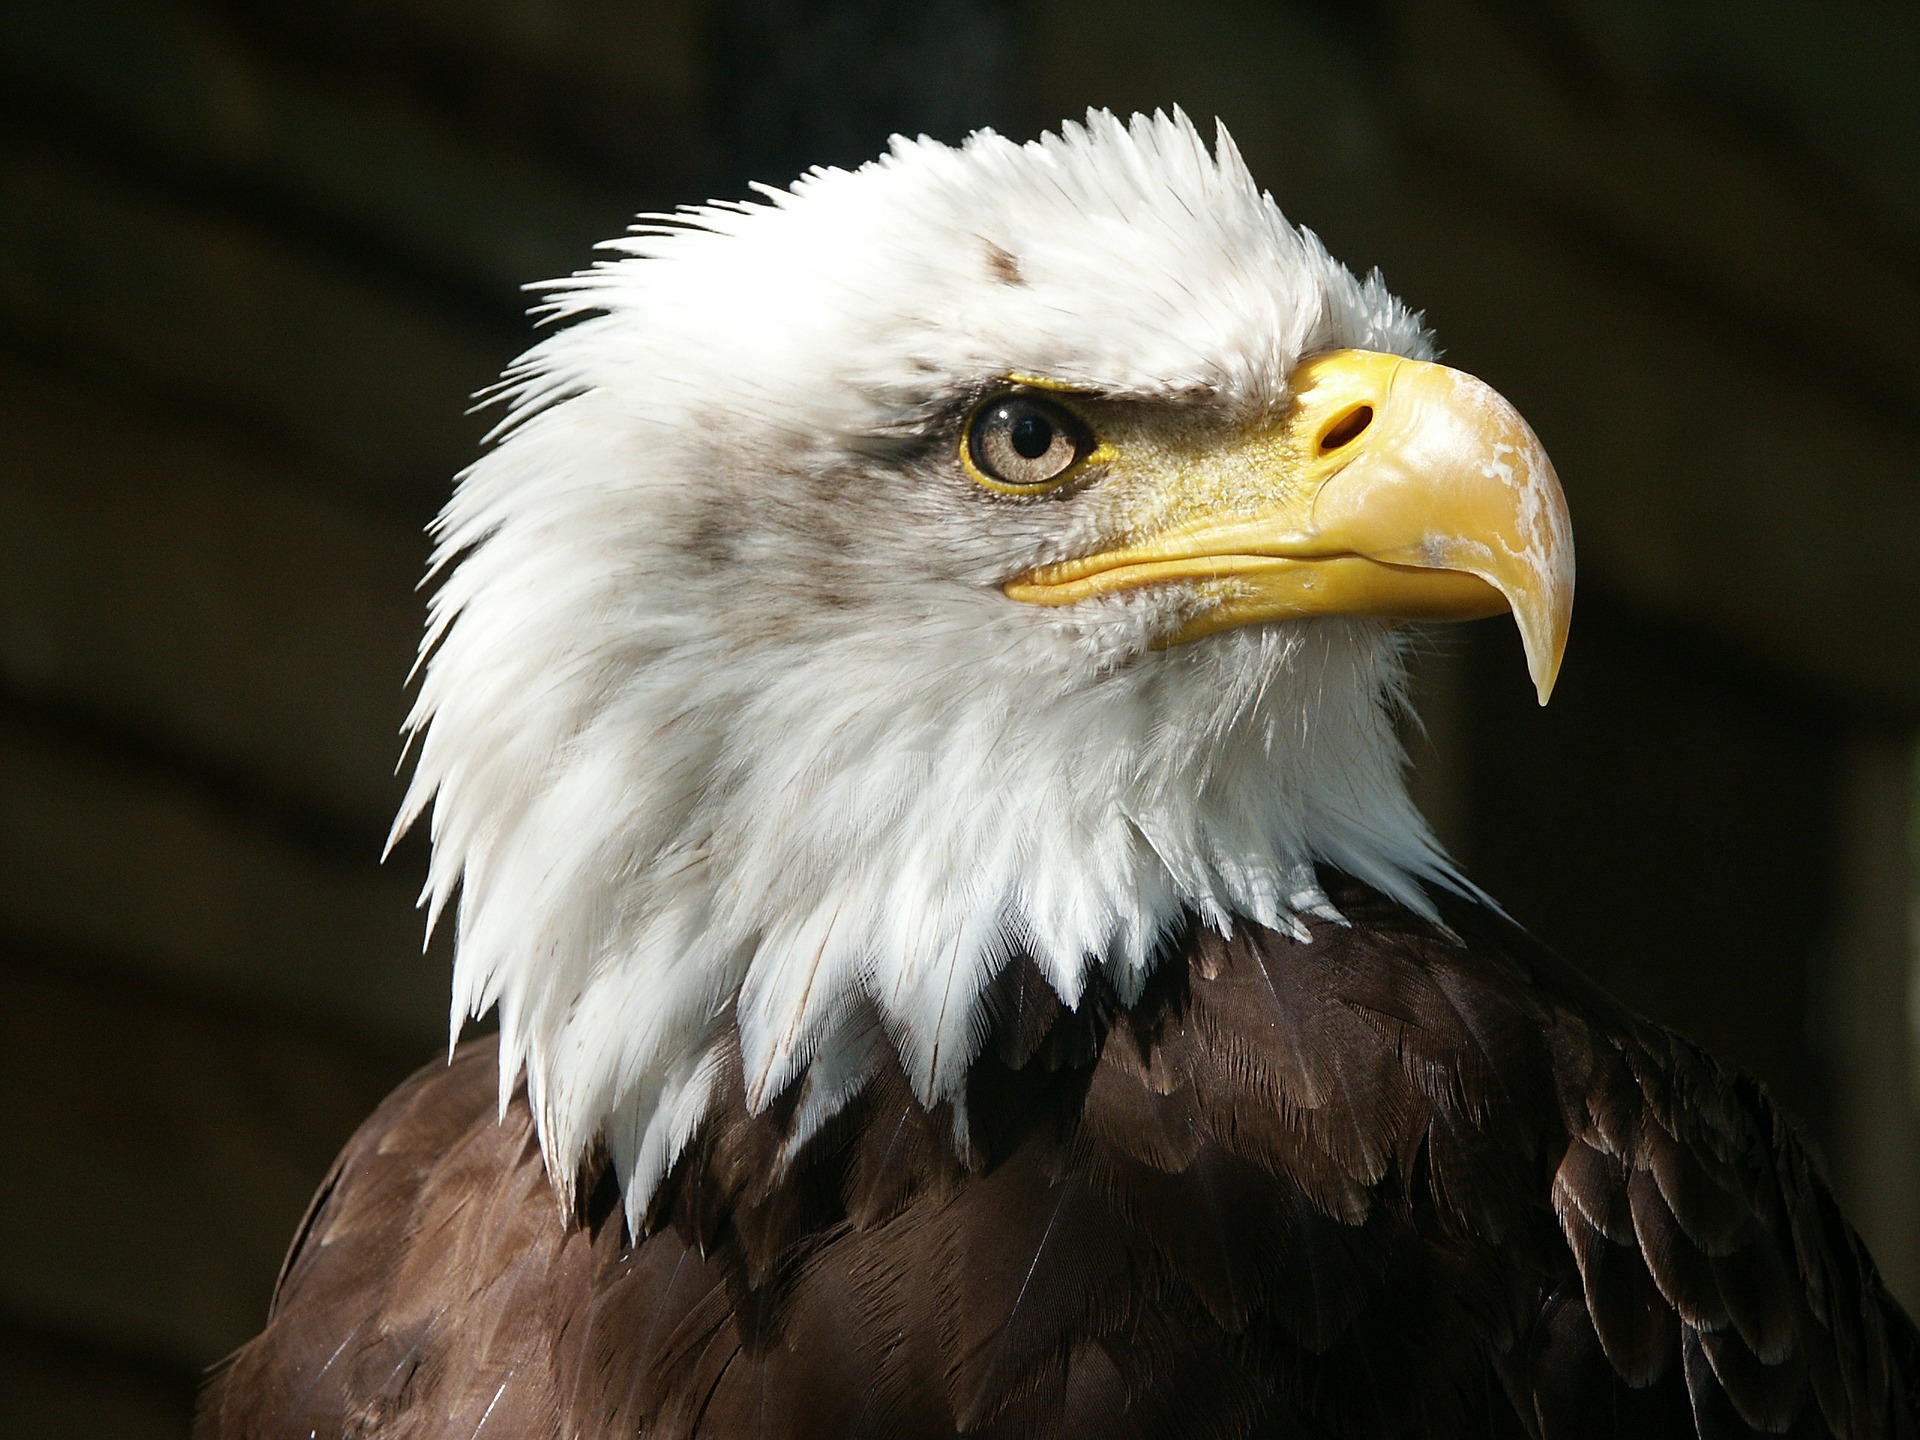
(1391,487)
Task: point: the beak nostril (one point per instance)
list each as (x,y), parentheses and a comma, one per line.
(1346,429)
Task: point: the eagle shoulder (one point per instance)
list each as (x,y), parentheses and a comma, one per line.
(1393,1180)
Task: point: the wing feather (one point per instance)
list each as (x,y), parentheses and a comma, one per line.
(1393,1179)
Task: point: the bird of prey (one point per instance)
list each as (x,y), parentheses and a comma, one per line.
(909,716)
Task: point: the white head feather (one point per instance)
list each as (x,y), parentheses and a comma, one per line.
(726,725)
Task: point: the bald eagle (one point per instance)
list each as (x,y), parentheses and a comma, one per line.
(909,716)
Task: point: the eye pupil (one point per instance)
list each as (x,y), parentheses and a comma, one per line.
(1032,436)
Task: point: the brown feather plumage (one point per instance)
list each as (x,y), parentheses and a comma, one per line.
(1393,1181)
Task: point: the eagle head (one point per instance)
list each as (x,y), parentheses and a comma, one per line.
(991,551)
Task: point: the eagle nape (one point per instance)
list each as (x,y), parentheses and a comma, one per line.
(909,718)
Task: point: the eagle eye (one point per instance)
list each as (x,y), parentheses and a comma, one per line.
(1023,442)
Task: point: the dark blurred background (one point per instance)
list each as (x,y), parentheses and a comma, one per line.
(256,254)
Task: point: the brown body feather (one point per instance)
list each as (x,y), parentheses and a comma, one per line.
(1383,1184)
